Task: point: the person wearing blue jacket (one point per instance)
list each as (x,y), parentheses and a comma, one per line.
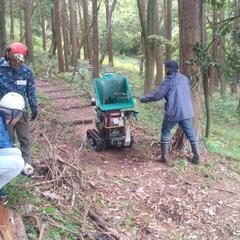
(175,89)
(15,76)
(11,162)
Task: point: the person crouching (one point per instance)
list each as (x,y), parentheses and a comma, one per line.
(11,162)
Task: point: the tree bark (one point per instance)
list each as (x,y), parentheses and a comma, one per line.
(190,25)
(53,47)
(205,76)
(43,26)
(65,36)
(28,28)
(158,51)
(73,29)
(11,13)
(95,42)
(148,28)
(87,44)
(168,27)
(11,225)
(3,34)
(20,21)
(58,35)
(238,108)
(214,75)
(236,74)
(107,42)
(222,59)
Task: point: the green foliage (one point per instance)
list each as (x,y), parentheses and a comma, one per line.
(216,3)
(16,192)
(203,57)
(129,222)
(158,40)
(126,36)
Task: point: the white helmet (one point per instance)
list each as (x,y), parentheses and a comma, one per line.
(13,100)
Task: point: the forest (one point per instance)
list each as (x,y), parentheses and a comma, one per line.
(82,189)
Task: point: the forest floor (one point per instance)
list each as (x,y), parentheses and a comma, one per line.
(138,197)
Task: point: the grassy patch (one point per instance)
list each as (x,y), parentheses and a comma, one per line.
(225,128)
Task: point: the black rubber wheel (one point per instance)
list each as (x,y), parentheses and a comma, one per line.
(100,146)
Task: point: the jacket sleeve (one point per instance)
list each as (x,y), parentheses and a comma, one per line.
(31,91)
(158,93)
(4,138)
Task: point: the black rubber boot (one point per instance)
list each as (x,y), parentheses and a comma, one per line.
(196,153)
(164,152)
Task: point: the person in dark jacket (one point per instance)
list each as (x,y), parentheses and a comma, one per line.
(176,91)
(15,76)
(11,162)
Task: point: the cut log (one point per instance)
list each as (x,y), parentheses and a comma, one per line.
(79,121)
(11,225)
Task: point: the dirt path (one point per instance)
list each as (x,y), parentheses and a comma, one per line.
(143,199)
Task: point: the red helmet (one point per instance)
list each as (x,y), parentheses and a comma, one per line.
(17,48)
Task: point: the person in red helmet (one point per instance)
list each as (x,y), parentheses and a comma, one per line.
(15,76)
(15,54)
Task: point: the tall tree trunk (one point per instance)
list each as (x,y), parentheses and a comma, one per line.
(190,24)
(168,27)
(73,29)
(158,52)
(11,13)
(107,42)
(53,47)
(222,59)
(95,43)
(20,21)
(80,27)
(205,76)
(236,74)
(142,57)
(214,75)
(43,27)
(65,35)
(57,7)
(238,108)
(3,34)
(28,28)
(87,44)
(148,28)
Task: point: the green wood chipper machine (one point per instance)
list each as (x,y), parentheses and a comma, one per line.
(114,107)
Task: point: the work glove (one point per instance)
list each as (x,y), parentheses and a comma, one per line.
(143,99)
(34,113)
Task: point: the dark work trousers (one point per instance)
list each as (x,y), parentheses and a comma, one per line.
(21,128)
(186,126)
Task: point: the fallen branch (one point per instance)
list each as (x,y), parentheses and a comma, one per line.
(41,235)
(70,165)
(102,224)
(224,190)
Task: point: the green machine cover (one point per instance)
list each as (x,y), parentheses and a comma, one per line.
(112,92)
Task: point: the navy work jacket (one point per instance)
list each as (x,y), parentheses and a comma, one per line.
(20,80)
(176,91)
